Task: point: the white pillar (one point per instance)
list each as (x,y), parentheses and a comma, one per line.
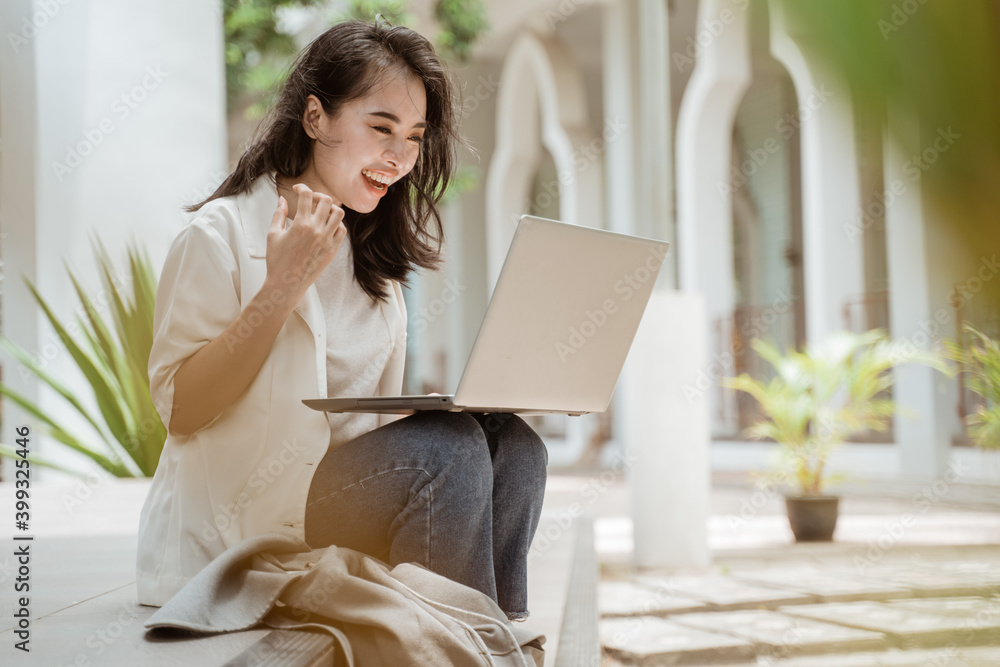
(832,259)
(667,435)
(130,126)
(704,144)
(670,488)
(18,208)
(921,424)
(655,173)
(619,159)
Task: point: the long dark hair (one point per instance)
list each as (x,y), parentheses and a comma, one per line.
(341,65)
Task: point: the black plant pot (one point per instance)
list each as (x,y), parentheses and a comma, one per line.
(812,518)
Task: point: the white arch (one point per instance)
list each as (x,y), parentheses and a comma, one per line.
(704,147)
(538,75)
(832,258)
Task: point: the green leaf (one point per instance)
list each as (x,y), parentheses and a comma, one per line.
(113,358)
(112,464)
(46,377)
(10,452)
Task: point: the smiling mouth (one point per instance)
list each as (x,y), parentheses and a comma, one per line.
(373,181)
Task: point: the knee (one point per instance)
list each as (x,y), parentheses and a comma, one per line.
(456,431)
(460,445)
(525,446)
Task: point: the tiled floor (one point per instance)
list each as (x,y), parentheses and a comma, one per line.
(82,579)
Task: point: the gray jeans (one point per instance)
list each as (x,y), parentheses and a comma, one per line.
(459,493)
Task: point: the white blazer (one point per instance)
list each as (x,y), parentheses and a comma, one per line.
(248,471)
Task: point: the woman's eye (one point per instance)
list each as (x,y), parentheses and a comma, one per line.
(417,138)
(383,130)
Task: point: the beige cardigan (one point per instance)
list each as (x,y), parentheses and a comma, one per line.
(406,615)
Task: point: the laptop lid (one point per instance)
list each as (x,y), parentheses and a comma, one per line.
(562,317)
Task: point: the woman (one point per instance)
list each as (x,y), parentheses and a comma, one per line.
(285,286)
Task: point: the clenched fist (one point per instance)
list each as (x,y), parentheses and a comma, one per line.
(298,253)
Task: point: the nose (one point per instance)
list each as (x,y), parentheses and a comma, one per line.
(395,152)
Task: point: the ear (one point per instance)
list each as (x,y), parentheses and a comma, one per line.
(312,115)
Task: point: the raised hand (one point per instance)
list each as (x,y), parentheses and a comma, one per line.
(298,253)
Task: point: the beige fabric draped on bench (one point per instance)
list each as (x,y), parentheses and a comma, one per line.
(406,615)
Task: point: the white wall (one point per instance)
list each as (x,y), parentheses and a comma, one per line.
(130,125)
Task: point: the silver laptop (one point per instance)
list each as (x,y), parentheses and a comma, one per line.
(557,329)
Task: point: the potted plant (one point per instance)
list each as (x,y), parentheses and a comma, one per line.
(817,399)
(979,359)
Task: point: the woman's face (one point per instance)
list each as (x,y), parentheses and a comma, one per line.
(372,142)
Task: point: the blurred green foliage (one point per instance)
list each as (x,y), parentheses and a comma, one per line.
(979,361)
(393,11)
(935,66)
(462,23)
(258,52)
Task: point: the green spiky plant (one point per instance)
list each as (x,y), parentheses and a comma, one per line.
(980,361)
(819,398)
(113,359)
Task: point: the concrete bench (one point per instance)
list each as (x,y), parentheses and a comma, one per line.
(82,598)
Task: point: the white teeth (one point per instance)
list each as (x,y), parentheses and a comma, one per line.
(385,180)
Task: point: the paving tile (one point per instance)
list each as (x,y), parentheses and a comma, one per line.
(984,572)
(963,607)
(929,582)
(838,585)
(967,657)
(727,593)
(778,635)
(625,598)
(906,628)
(649,640)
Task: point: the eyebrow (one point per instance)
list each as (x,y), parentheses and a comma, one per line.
(394,118)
